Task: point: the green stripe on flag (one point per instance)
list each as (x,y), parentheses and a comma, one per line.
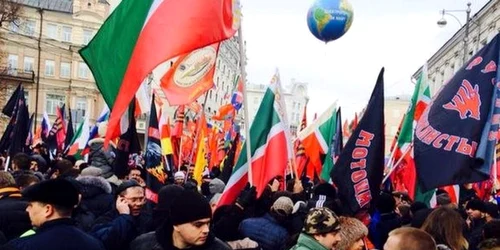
(328,132)
(109,52)
(265,119)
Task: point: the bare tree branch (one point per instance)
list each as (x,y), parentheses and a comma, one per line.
(9,11)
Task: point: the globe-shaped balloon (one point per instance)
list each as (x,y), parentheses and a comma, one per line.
(329,20)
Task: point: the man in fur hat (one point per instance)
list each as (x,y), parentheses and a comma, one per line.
(50,206)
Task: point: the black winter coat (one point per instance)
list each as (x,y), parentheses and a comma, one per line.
(97,194)
(149,242)
(14,220)
(60,234)
(116,231)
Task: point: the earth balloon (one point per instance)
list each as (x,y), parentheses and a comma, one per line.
(328,20)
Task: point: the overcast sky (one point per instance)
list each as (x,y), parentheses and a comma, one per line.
(397,34)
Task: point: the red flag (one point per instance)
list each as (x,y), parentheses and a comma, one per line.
(190,76)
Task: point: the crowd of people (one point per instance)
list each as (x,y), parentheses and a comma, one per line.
(69,204)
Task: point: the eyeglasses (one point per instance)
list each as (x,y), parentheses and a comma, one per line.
(135,199)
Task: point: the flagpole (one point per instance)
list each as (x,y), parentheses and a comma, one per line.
(397,163)
(391,156)
(179,164)
(245,105)
(494,172)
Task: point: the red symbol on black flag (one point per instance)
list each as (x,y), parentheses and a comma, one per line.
(490,67)
(467,101)
(474,62)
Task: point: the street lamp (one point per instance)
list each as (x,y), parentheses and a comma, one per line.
(442,22)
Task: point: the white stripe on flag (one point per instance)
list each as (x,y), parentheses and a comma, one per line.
(276,129)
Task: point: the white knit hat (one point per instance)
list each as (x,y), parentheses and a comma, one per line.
(179,175)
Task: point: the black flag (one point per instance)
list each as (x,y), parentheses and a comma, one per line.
(228,162)
(456,135)
(359,169)
(9,107)
(128,144)
(70,133)
(21,124)
(156,174)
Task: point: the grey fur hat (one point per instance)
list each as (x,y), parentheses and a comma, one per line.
(351,230)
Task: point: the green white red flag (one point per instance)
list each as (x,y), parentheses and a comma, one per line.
(404,177)
(80,139)
(140,35)
(270,146)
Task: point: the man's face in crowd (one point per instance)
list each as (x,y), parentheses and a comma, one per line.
(34,166)
(179,181)
(474,214)
(135,199)
(135,174)
(194,233)
(358,245)
(329,240)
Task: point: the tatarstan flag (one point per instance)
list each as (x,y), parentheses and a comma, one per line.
(140,35)
(405,175)
(270,146)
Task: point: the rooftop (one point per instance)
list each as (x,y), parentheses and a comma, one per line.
(65,6)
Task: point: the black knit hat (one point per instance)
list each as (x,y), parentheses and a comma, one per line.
(476,205)
(189,207)
(58,192)
(126,184)
(491,209)
(167,195)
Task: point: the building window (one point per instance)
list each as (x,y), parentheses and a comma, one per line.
(29,27)
(14,26)
(65,70)
(50,67)
(83,70)
(87,36)
(52,102)
(52,31)
(66,34)
(81,106)
(27,97)
(29,63)
(12,63)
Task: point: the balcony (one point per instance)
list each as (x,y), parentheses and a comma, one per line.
(18,75)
